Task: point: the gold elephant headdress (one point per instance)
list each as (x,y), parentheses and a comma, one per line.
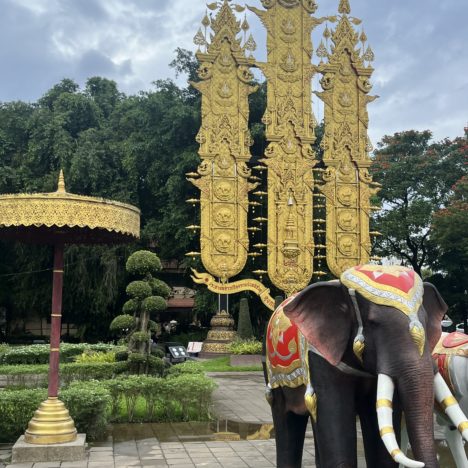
(394,286)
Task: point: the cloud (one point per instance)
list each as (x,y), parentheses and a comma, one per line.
(421,62)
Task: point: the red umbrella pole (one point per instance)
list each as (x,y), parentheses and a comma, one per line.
(56,321)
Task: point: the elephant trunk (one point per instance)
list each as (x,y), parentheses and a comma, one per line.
(416,393)
(385,391)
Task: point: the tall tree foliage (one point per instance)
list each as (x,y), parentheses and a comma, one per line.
(417,179)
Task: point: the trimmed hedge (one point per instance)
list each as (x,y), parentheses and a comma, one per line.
(39,354)
(187,367)
(179,398)
(36,375)
(87,403)
(183,397)
(246,347)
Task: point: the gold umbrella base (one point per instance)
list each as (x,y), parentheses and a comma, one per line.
(51,424)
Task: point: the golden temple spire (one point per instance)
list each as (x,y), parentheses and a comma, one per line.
(344,7)
(61,183)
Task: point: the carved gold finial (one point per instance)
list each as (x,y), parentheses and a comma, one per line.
(61,183)
(344,7)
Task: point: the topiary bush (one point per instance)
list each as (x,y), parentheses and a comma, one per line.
(144,301)
(153,304)
(122,324)
(160,288)
(244,324)
(139,290)
(142,263)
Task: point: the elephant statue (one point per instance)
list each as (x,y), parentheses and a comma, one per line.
(358,347)
(451,357)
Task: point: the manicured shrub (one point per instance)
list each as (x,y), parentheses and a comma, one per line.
(153,304)
(87,403)
(88,371)
(130,307)
(244,324)
(246,347)
(36,375)
(39,354)
(140,337)
(187,367)
(181,398)
(138,290)
(160,288)
(94,356)
(144,300)
(122,324)
(142,263)
(157,351)
(155,365)
(16,409)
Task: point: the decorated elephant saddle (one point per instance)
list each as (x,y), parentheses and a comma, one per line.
(286,357)
(394,286)
(449,346)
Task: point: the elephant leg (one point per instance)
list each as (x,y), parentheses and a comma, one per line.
(455,442)
(290,421)
(335,428)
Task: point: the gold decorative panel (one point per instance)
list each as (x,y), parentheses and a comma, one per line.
(290,127)
(347,185)
(223,176)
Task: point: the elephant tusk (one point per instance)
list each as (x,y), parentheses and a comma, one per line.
(450,405)
(385,391)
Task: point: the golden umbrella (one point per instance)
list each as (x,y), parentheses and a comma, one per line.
(57,219)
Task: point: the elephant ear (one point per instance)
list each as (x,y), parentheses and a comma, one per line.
(435,308)
(322,314)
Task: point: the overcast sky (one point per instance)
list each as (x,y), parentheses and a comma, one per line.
(420,47)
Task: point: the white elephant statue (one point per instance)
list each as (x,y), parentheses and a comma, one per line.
(451,357)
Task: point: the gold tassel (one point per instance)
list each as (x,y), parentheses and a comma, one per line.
(269,395)
(358,347)
(418,335)
(311,404)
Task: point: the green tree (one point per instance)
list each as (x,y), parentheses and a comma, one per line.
(450,250)
(244,324)
(417,179)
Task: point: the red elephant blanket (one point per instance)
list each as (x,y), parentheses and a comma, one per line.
(393,286)
(287,358)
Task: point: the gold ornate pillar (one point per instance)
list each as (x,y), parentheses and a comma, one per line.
(225,140)
(290,126)
(347,185)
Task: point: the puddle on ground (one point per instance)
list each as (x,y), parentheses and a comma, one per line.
(192,431)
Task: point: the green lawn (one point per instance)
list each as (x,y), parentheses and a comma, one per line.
(222,364)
